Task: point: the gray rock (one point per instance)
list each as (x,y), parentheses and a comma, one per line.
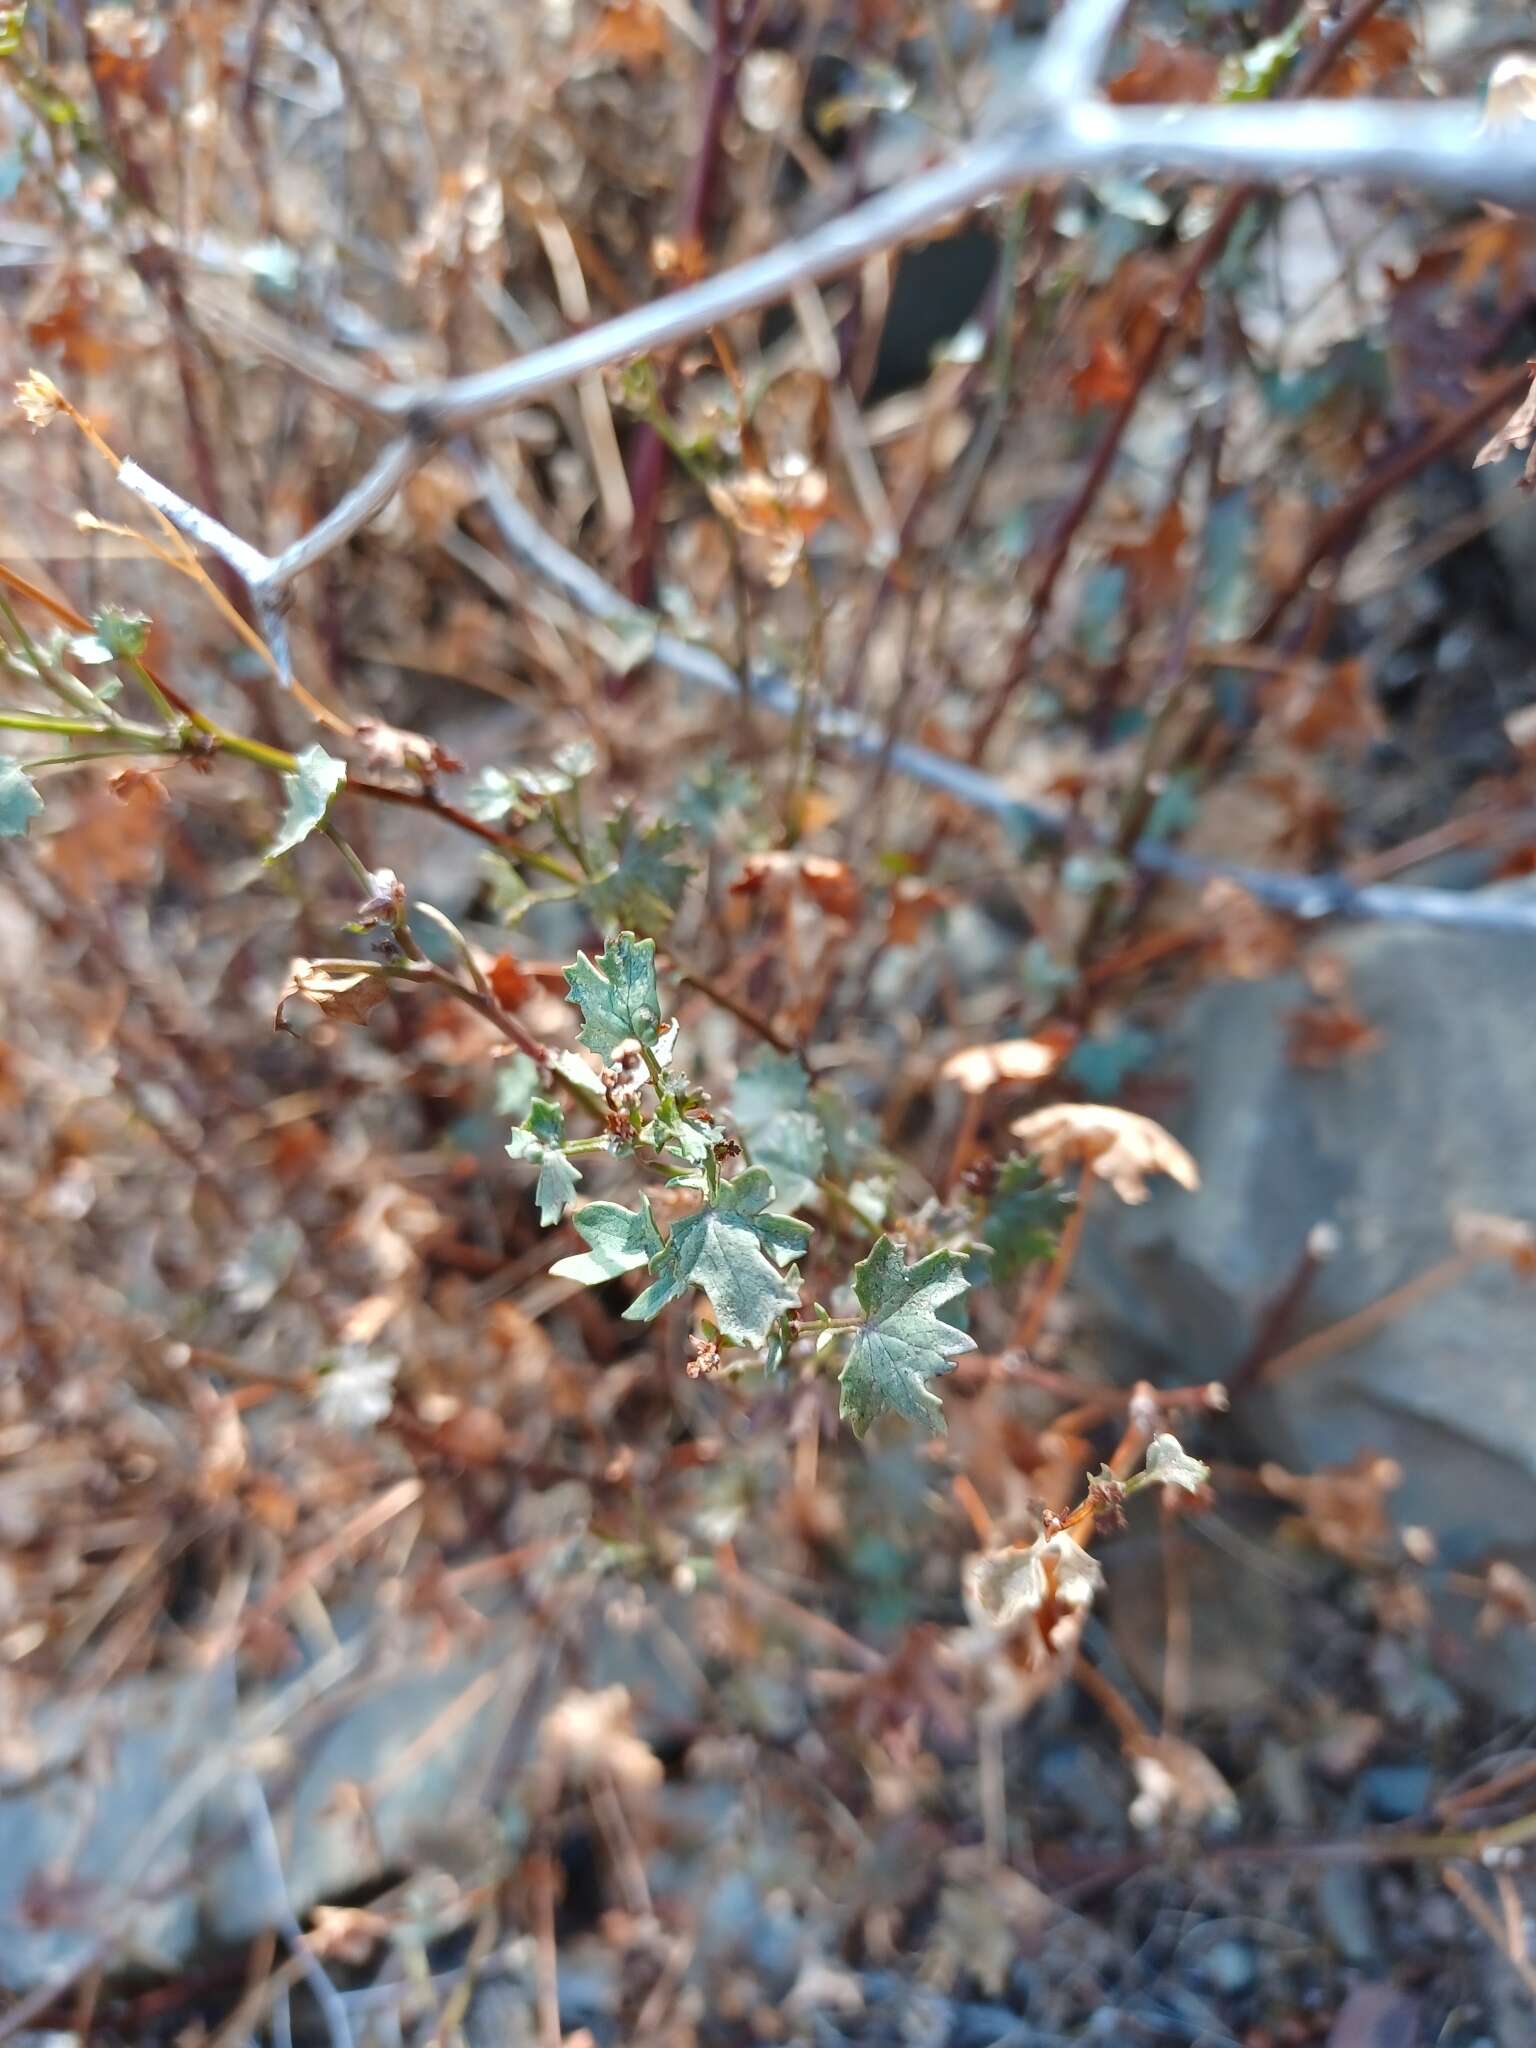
(130,1826)
(101,1827)
(1389,1146)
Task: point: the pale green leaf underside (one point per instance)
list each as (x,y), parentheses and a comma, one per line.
(309,792)
(19,801)
(620,1239)
(539,1141)
(902,1343)
(772,1106)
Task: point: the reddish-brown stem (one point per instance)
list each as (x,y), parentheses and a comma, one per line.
(1207,251)
(1336,533)
(160,269)
(1280,1315)
(1033,1320)
(1116,1708)
(648,462)
(1375,1315)
(1177,1623)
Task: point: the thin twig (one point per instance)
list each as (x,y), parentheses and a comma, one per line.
(1353,1329)
(1206,254)
(1307,897)
(264,1846)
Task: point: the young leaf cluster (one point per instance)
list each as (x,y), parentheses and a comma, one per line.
(719,1221)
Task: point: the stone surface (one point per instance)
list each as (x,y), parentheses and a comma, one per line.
(129,1817)
(1388,1146)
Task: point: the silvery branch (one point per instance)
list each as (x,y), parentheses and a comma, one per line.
(1058,126)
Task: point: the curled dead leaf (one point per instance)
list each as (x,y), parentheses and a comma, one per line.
(1511,93)
(1343,1508)
(1251,942)
(1509,1599)
(589,1736)
(1177,1785)
(830,884)
(340,996)
(913,902)
(976,1068)
(39,398)
(391,749)
(1162,71)
(1379,48)
(1519,430)
(1116,1144)
(132,782)
(1509,1238)
(774,516)
(832,887)
(1003,1587)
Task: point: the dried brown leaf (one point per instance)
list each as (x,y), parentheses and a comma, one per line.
(1511,93)
(1517,432)
(1252,942)
(832,887)
(976,1068)
(1497,1237)
(1177,1785)
(39,398)
(1105,379)
(1343,1508)
(343,998)
(1117,1144)
(1376,50)
(391,749)
(913,902)
(587,1736)
(631,32)
(1509,1599)
(1162,71)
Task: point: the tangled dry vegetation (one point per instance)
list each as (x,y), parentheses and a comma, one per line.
(1053,1709)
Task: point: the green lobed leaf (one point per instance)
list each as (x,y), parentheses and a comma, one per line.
(125,635)
(19,801)
(540,1140)
(731,1249)
(1169,1464)
(309,792)
(495,793)
(616,994)
(507,896)
(902,1342)
(643,885)
(1026,1214)
(620,1240)
(673,1130)
(772,1107)
(706,797)
(1254,74)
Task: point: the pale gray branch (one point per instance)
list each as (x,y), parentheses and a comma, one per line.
(1441,149)
(398,462)
(1056,127)
(1073,49)
(1302,896)
(269,1860)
